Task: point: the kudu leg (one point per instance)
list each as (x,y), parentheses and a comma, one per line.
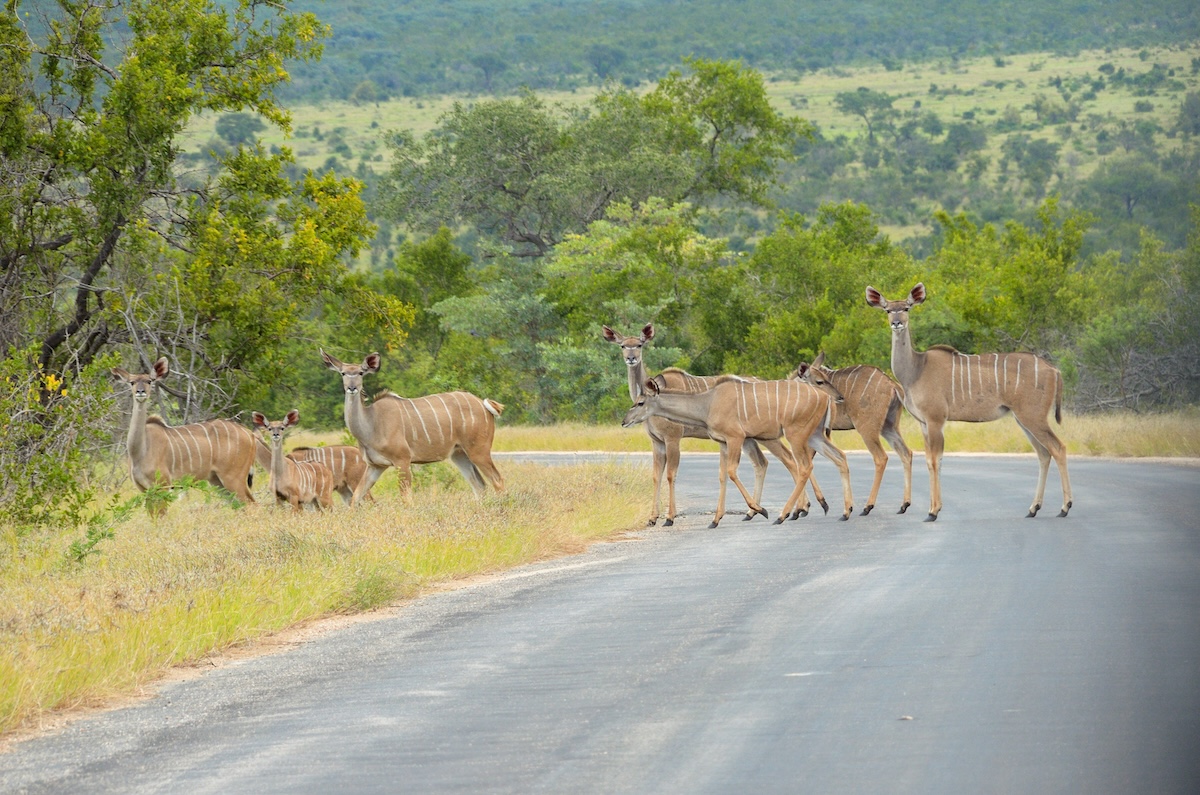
(780,451)
(935,443)
(880,457)
(672,469)
(732,458)
(369,476)
(658,451)
(801,468)
(892,434)
(759,462)
(1047,445)
(462,462)
(821,444)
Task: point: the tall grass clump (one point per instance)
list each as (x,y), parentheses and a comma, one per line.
(77,629)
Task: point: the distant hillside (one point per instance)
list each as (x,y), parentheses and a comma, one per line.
(389,48)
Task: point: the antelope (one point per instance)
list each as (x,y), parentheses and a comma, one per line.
(396,431)
(218,451)
(735,409)
(299,483)
(344,461)
(872,403)
(665,434)
(942,384)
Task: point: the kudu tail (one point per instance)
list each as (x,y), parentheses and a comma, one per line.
(494,408)
(1058,391)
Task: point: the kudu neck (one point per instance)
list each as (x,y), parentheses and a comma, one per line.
(136,439)
(637,379)
(687,408)
(906,362)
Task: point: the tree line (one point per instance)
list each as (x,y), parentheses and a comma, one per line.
(528,225)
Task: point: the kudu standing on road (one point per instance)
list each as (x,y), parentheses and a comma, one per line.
(396,431)
(665,434)
(872,403)
(299,483)
(345,462)
(942,384)
(735,409)
(218,451)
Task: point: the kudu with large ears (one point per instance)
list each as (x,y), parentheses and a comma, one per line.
(297,483)
(941,384)
(735,409)
(872,404)
(399,432)
(218,451)
(665,435)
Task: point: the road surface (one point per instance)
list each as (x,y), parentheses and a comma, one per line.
(983,653)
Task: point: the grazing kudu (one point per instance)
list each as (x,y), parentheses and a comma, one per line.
(872,403)
(218,451)
(735,409)
(665,434)
(345,462)
(941,384)
(399,432)
(299,483)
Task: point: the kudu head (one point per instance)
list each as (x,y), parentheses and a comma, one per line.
(897,310)
(142,384)
(816,374)
(352,374)
(631,347)
(274,430)
(642,407)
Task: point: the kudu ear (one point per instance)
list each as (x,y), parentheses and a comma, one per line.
(802,370)
(293,417)
(371,363)
(123,375)
(876,299)
(161,367)
(648,332)
(917,295)
(820,360)
(259,419)
(652,387)
(609,334)
(330,362)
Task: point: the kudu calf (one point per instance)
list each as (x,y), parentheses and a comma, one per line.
(345,462)
(735,410)
(665,434)
(871,404)
(941,384)
(399,432)
(218,451)
(298,483)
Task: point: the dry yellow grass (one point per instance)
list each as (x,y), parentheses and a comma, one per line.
(206,577)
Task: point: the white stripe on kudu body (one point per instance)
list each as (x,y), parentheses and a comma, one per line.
(297,483)
(160,454)
(934,394)
(665,435)
(396,431)
(734,410)
(874,411)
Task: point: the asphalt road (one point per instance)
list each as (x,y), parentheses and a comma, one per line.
(983,653)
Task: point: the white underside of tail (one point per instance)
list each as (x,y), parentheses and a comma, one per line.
(487,404)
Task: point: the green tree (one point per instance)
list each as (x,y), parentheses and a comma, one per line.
(873,107)
(239,128)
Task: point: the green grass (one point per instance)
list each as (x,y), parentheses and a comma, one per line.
(206,578)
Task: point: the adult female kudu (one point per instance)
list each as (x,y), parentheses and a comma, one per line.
(872,403)
(665,435)
(735,410)
(941,384)
(299,483)
(218,451)
(399,432)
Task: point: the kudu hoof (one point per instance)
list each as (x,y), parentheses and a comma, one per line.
(1063,512)
(652,522)
(1033,511)
(778,520)
(799,512)
(712,525)
(825,507)
(904,507)
(931,517)
(867,510)
(669,523)
(845,518)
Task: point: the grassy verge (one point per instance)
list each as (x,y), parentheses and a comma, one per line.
(206,577)
(1175,433)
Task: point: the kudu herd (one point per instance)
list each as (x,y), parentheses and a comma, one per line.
(739,413)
